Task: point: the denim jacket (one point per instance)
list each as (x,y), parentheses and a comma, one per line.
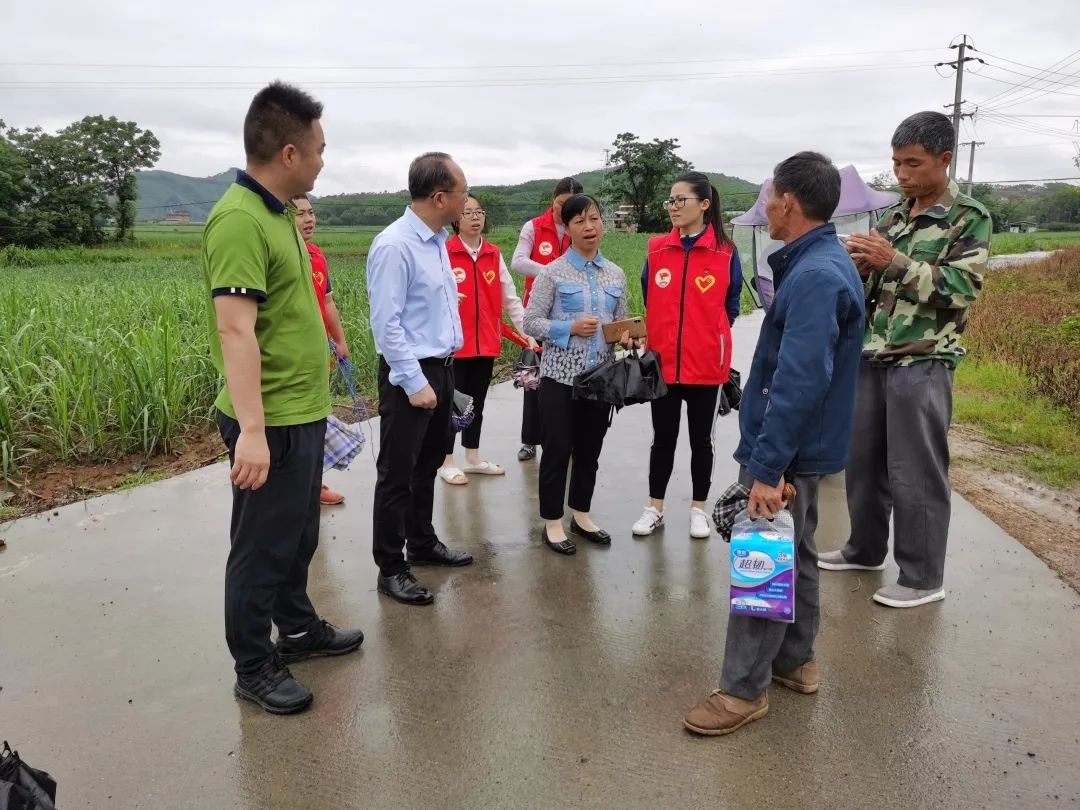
(567,289)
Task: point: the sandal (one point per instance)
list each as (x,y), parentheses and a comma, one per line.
(452,475)
(485,468)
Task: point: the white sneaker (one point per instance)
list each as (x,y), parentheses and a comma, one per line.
(699,524)
(651,520)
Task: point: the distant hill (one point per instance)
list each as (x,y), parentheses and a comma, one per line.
(163,192)
(507,204)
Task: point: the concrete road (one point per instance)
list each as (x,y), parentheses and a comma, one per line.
(535,680)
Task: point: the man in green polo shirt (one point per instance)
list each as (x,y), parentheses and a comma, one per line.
(267,338)
(923,268)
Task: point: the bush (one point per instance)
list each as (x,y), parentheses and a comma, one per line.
(1028,316)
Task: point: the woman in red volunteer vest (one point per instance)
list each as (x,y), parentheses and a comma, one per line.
(542,241)
(485,289)
(691,283)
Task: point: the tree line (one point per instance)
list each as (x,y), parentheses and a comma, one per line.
(68,187)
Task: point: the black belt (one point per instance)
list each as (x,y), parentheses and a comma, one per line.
(438,361)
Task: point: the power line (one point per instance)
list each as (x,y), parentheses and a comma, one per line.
(544,65)
(413,84)
(1001,95)
(1031,93)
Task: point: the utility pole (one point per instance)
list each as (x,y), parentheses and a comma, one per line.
(961,58)
(971,161)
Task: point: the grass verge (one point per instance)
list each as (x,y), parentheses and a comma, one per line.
(1001,400)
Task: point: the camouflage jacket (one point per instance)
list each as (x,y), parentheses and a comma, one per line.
(923,296)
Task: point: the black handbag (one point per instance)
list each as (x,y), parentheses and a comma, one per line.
(526,373)
(730,393)
(23,787)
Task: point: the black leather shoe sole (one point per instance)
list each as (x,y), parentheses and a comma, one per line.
(600,537)
(300,655)
(455,563)
(562,547)
(406,600)
(271,707)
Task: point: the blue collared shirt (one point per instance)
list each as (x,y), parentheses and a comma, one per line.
(413,298)
(593,305)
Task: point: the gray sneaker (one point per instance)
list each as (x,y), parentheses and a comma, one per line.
(835,561)
(898,596)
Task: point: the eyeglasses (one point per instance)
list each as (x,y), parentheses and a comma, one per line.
(466,191)
(477,214)
(678,202)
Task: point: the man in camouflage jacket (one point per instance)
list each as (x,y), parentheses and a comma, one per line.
(922,269)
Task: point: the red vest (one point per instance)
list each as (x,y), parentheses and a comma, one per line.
(481,308)
(685,317)
(320,277)
(546,245)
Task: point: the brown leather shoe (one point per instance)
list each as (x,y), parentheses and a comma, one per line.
(806,679)
(327,497)
(722,713)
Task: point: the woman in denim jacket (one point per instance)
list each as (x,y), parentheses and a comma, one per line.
(571,299)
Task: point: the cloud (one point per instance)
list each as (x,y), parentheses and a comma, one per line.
(578,75)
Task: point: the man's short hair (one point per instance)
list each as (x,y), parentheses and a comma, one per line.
(300,196)
(933,131)
(430,173)
(279,114)
(814,181)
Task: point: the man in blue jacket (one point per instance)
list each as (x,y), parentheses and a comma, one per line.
(795,420)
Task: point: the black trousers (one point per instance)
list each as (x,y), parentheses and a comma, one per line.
(472,376)
(274,534)
(412,445)
(572,430)
(701,407)
(530,418)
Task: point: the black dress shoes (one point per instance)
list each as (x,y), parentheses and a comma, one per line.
(321,639)
(439,554)
(562,547)
(273,687)
(599,536)
(404,588)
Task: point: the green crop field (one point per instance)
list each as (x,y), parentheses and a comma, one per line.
(104,352)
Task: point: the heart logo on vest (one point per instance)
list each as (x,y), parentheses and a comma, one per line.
(489,276)
(545,248)
(459,274)
(320,279)
(663,277)
(705,283)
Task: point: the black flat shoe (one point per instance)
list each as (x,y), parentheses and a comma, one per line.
(404,588)
(439,554)
(599,536)
(562,547)
(322,639)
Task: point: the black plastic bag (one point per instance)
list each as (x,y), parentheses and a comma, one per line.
(730,393)
(644,379)
(629,380)
(23,787)
(603,383)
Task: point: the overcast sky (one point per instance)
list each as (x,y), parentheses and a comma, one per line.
(189,68)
